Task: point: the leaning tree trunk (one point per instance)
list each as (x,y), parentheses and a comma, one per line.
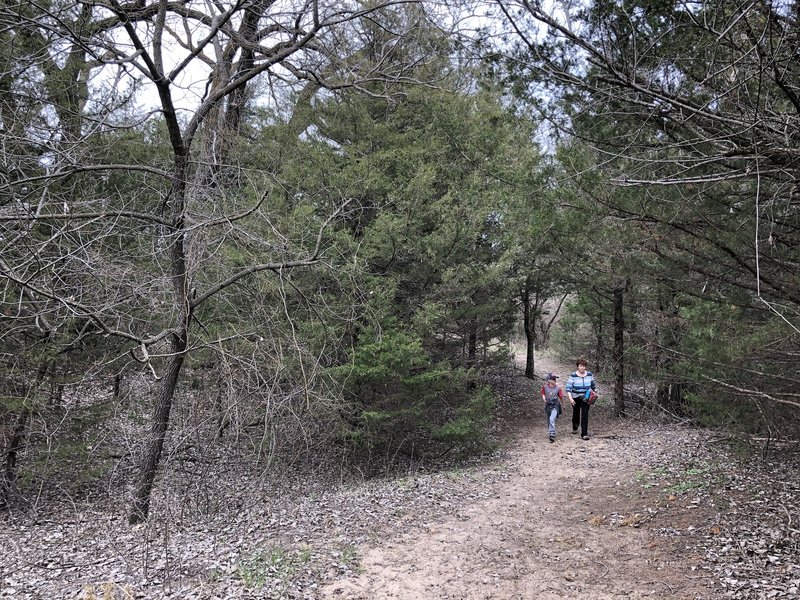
(169,382)
(619,352)
(179,338)
(158,431)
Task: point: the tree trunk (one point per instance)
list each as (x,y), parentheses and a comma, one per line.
(543,335)
(158,432)
(669,393)
(530,334)
(472,350)
(238,98)
(178,340)
(117,386)
(17,441)
(670,396)
(598,351)
(619,351)
(14,447)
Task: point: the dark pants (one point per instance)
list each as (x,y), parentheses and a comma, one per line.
(580,416)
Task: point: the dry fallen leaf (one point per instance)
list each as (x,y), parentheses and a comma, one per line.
(632,521)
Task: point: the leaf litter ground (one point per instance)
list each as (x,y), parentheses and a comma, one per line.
(644,509)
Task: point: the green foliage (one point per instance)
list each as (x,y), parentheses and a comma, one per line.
(680,479)
(721,410)
(398,398)
(707,239)
(349,556)
(78,449)
(391,381)
(12,404)
(467,429)
(437,176)
(735,356)
(274,568)
(578,327)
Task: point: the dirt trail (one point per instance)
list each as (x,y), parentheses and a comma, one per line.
(571,519)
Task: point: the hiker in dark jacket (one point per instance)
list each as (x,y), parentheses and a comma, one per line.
(579,382)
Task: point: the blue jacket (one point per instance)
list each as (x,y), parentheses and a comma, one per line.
(577,385)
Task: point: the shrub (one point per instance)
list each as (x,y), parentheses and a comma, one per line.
(467,430)
(399,398)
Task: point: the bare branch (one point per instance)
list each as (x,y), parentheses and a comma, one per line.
(750,392)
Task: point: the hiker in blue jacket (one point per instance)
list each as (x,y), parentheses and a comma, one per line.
(579,382)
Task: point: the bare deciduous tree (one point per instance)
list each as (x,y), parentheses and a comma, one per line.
(133,250)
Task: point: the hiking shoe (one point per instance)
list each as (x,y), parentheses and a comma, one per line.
(585,437)
(552,439)
(575,430)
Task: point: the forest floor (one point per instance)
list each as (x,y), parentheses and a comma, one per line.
(644,509)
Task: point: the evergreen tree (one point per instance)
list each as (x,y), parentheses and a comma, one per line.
(684,106)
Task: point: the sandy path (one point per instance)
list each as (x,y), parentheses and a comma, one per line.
(560,525)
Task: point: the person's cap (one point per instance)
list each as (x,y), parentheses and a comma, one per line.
(552,375)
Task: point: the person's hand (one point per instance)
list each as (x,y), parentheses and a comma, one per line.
(572,400)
